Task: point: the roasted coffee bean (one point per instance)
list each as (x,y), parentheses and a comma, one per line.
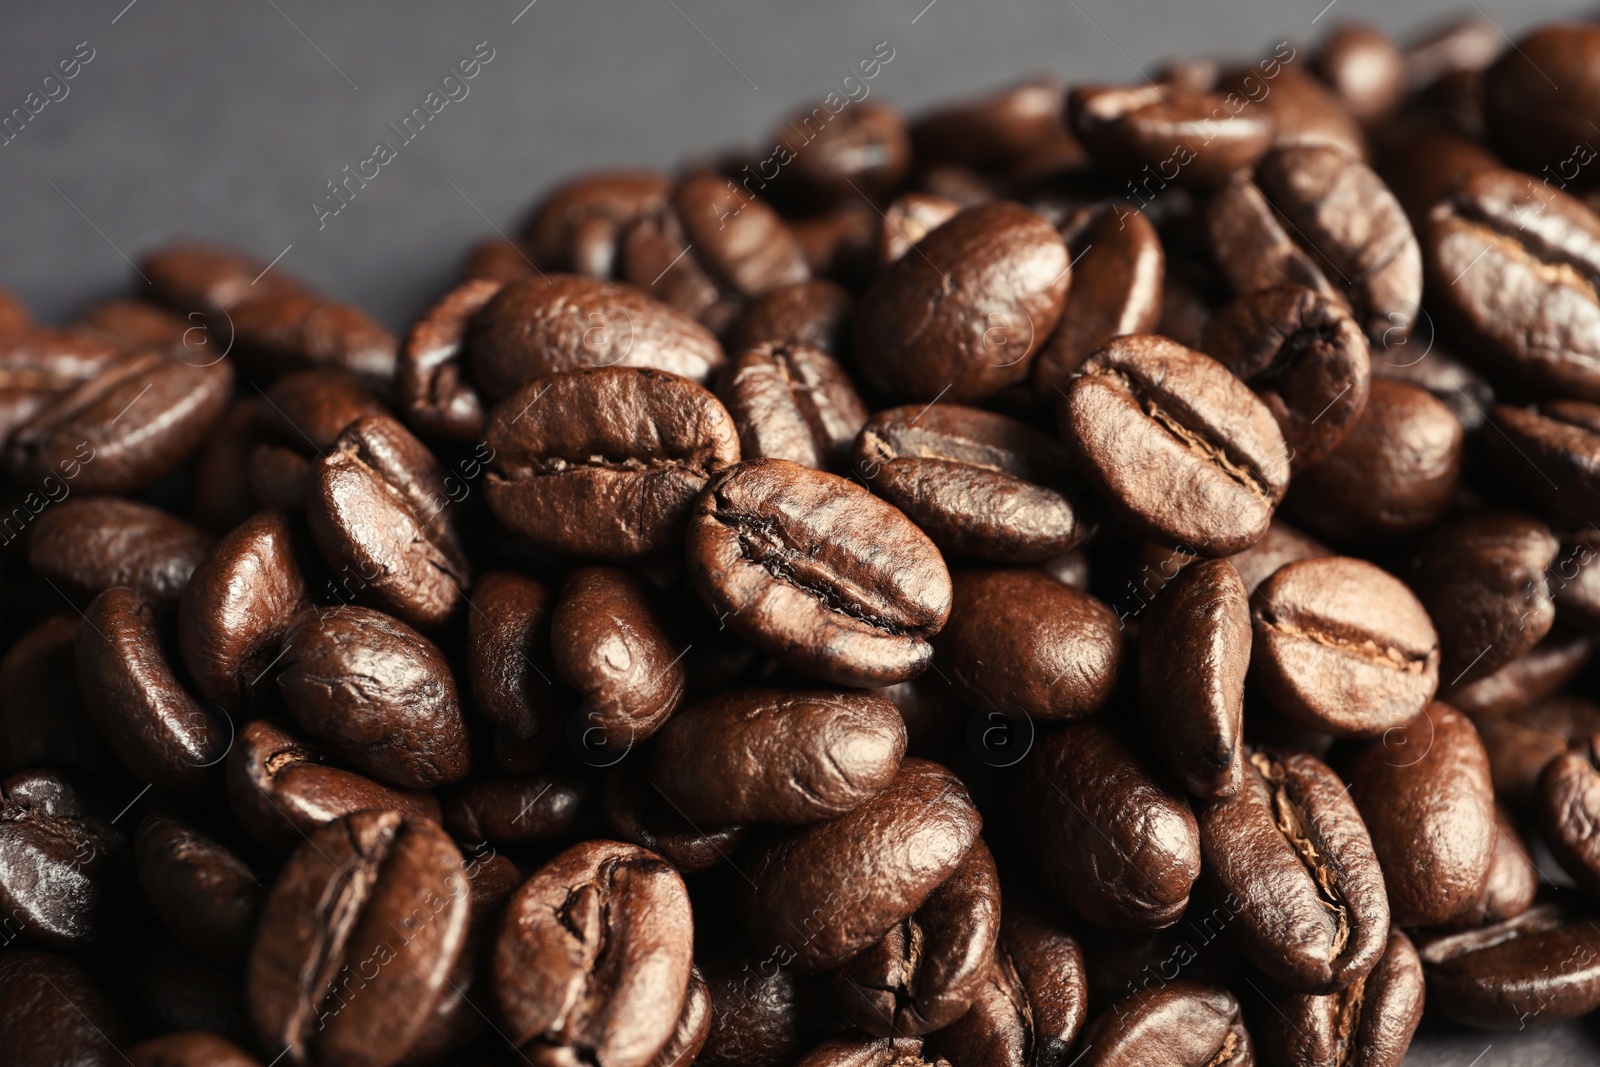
(539,327)
(605,463)
(1513,878)
(379,512)
(89,545)
(219,499)
(515,811)
(863,151)
(961,317)
(1180,134)
(123,430)
(1567,803)
(1574,581)
(38,365)
(1524,738)
(1396,471)
(824,893)
(356,940)
(137,325)
(788,756)
(1290,852)
(194,276)
(278,334)
(907,220)
(1113,840)
(1528,119)
(1520,292)
(192,1048)
(55,861)
(594,955)
(1305,111)
(207,895)
(1184,1022)
(814,570)
(312,407)
(377,693)
(430,384)
(740,243)
(1539,968)
(1194,652)
(238,605)
(870,1052)
(281,789)
(979,483)
(55,1013)
(1364,68)
(43,722)
(1425,794)
(161,733)
(1525,681)
(510,672)
(609,643)
(1306,358)
(1117,290)
(1367,1024)
(992,131)
(280,477)
(757,1010)
(1343,647)
(1020,642)
(1463,390)
(1180,447)
(925,972)
(791,401)
(1280,545)
(694,1024)
(1560,440)
(638,812)
(577,225)
(1482,577)
(814,313)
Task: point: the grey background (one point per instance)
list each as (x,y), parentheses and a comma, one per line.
(224,119)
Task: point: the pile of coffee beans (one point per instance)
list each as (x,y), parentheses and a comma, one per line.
(1092,575)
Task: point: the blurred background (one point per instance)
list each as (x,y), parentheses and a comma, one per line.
(227,119)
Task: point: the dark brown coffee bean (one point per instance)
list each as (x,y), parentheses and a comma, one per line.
(1113,840)
(219,499)
(824,893)
(694,1024)
(430,385)
(756,1011)
(43,722)
(1281,544)
(193,1048)
(128,427)
(1567,803)
(377,693)
(1291,853)
(1343,647)
(38,365)
(1513,878)
(862,151)
(594,955)
(1194,652)
(1117,290)
(1306,358)
(1463,390)
(636,811)
(1179,446)
(87,546)
(515,811)
(1539,968)
(870,1052)
(1183,1023)
(308,409)
(357,938)
(1181,134)
(194,276)
(980,484)
(1425,794)
(992,131)
(961,316)
(778,756)
(925,972)
(1395,472)
(605,463)
(205,894)
(906,221)
(56,1014)
(838,243)
(1560,441)
(1364,68)
(1482,577)
(1525,681)
(577,226)
(1019,641)
(1574,581)
(1534,124)
(277,334)
(510,672)
(792,401)
(814,570)
(280,477)
(137,325)
(1305,111)
(55,861)
(1524,738)
(281,788)
(814,313)
(159,732)
(740,242)
(1367,1024)
(238,605)
(538,327)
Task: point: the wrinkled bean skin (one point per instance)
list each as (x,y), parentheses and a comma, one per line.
(817,572)
(1185,1023)
(605,463)
(1500,978)
(846,882)
(1430,816)
(205,894)
(345,669)
(778,756)
(1343,647)
(1180,447)
(1292,852)
(510,672)
(538,327)
(962,317)
(791,401)
(375,886)
(55,859)
(158,731)
(979,483)
(238,605)
(430,386)
(1194,651)
(1019,641)
(870,1052)
(594,955)
(1112,840)
(87,546)
(55,1013)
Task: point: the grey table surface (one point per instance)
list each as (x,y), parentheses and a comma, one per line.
(225,119)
